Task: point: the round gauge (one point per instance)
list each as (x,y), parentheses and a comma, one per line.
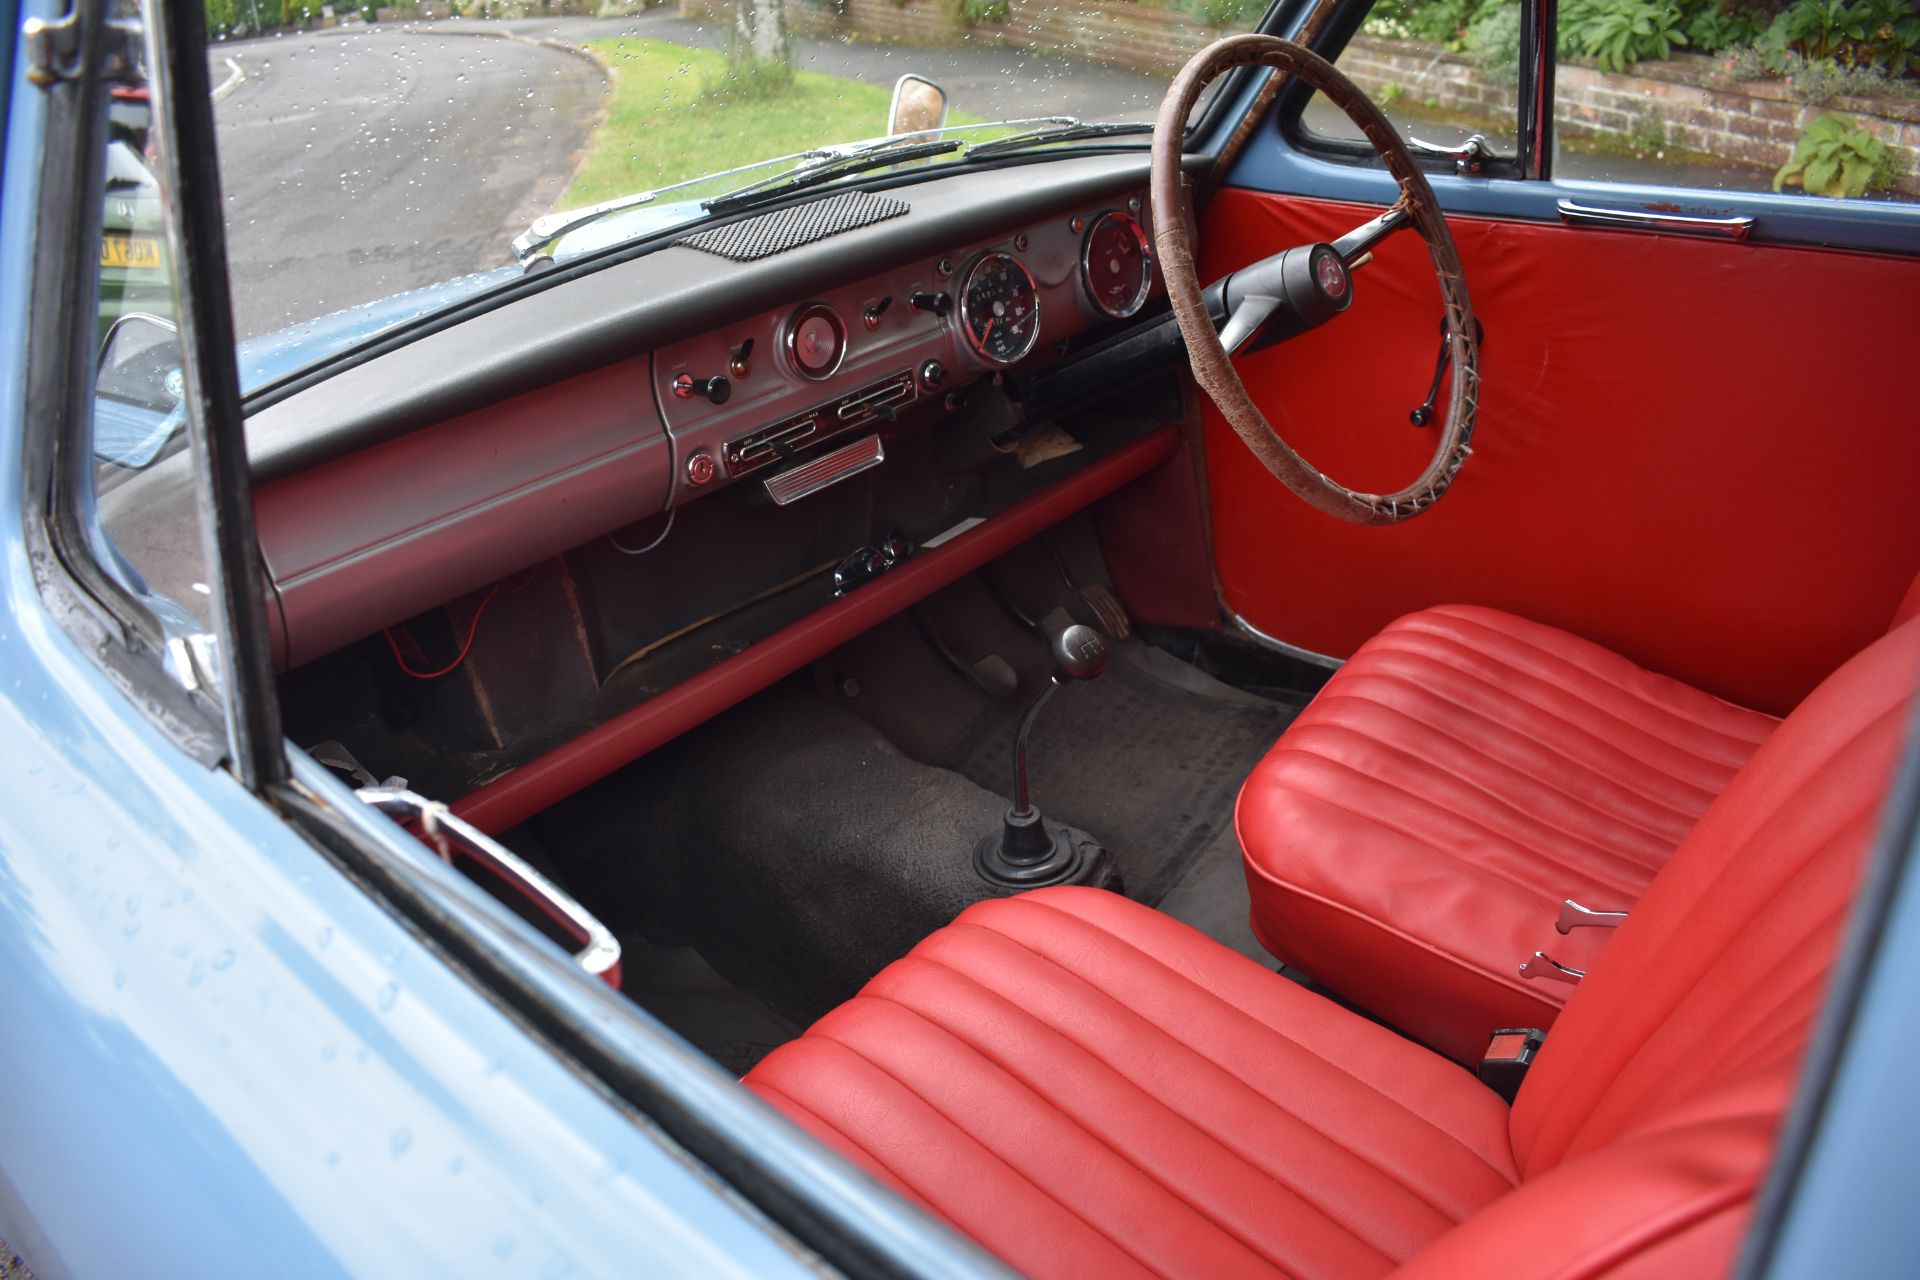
(816,342)
(1000,309)
(1117,265)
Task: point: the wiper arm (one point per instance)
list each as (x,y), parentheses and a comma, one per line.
(808,168)
(1070,131)
(818,165)
(547,228)
(885,151)
(811,174)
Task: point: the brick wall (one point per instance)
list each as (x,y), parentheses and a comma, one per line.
(1117,33)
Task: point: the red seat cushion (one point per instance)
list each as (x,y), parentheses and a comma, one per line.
(1410,838)
(1090,1088)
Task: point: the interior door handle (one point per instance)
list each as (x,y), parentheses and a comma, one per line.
(599,950)
(1575,214)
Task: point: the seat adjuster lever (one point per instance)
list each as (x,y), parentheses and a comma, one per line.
(1574,916)
(1542,965)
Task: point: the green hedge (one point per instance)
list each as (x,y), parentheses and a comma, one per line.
(1873,37)
(231,17)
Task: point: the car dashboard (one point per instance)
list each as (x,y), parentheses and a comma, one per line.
(716,442)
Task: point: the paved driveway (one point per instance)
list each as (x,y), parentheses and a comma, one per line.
(362,163)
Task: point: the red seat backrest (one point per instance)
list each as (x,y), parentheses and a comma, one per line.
(1646,1125)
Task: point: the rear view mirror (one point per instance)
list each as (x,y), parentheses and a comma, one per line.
(919,106)
(138,392)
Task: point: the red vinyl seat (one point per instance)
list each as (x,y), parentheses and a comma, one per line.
(1089,1088)
(1411,837)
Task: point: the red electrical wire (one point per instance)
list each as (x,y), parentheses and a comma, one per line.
(473,627)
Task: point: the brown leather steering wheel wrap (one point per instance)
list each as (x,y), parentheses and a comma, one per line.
(1213,368)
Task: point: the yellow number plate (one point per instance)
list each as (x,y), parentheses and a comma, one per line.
(142,253)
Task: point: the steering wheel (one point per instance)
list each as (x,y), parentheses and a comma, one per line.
(1304,287)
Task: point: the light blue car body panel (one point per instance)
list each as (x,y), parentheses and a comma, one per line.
(218,1055)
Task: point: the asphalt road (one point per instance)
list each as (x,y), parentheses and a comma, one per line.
(359,164)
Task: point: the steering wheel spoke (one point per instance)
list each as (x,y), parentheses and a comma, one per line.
(1246,321)
(1359,242)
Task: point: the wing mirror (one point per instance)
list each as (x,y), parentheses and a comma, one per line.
(139,396)
(919,106)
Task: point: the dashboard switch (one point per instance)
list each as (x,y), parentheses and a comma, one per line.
(932,374)
(701,468)
(871,316)
(939,304)
(716,388)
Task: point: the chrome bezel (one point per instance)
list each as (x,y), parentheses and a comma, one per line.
(791,340)
(966,318)
(1146,263)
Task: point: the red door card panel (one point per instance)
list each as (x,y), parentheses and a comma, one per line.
(1703,454)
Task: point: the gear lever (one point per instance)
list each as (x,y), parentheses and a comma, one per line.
(1027,851)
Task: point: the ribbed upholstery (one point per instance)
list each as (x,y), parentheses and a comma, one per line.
(1094,1089)
(1089,1088)
(1717,975)
(1410,838)
(1645,1126)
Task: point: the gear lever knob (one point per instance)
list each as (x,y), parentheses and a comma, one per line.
(1079,652)
(1029,851)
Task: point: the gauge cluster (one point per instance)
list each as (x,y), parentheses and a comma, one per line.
(1000,309)
(892,350)
(1117,265)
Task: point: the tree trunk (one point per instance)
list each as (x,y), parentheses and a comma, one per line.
(760,35)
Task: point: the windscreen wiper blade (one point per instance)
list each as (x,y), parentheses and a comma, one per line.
(801,170)
(822,163)
(1075,132)
(546,229)
(819,171)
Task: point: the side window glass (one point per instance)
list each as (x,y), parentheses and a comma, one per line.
(1442,70)
(141,515)
(1813,96)
(1820,97)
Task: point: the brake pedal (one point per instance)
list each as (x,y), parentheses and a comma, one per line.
(1106,606)
(995,676)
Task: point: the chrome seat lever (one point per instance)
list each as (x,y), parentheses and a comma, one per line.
(1574,916)
(1542,965)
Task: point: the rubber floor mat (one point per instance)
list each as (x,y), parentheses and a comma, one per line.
(1148,759)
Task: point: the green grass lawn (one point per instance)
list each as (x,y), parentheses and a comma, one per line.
(672,117)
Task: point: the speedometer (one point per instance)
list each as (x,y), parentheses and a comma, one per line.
(1000,309)
(1116,265)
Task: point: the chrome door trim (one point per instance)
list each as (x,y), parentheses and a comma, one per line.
(1576,214)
